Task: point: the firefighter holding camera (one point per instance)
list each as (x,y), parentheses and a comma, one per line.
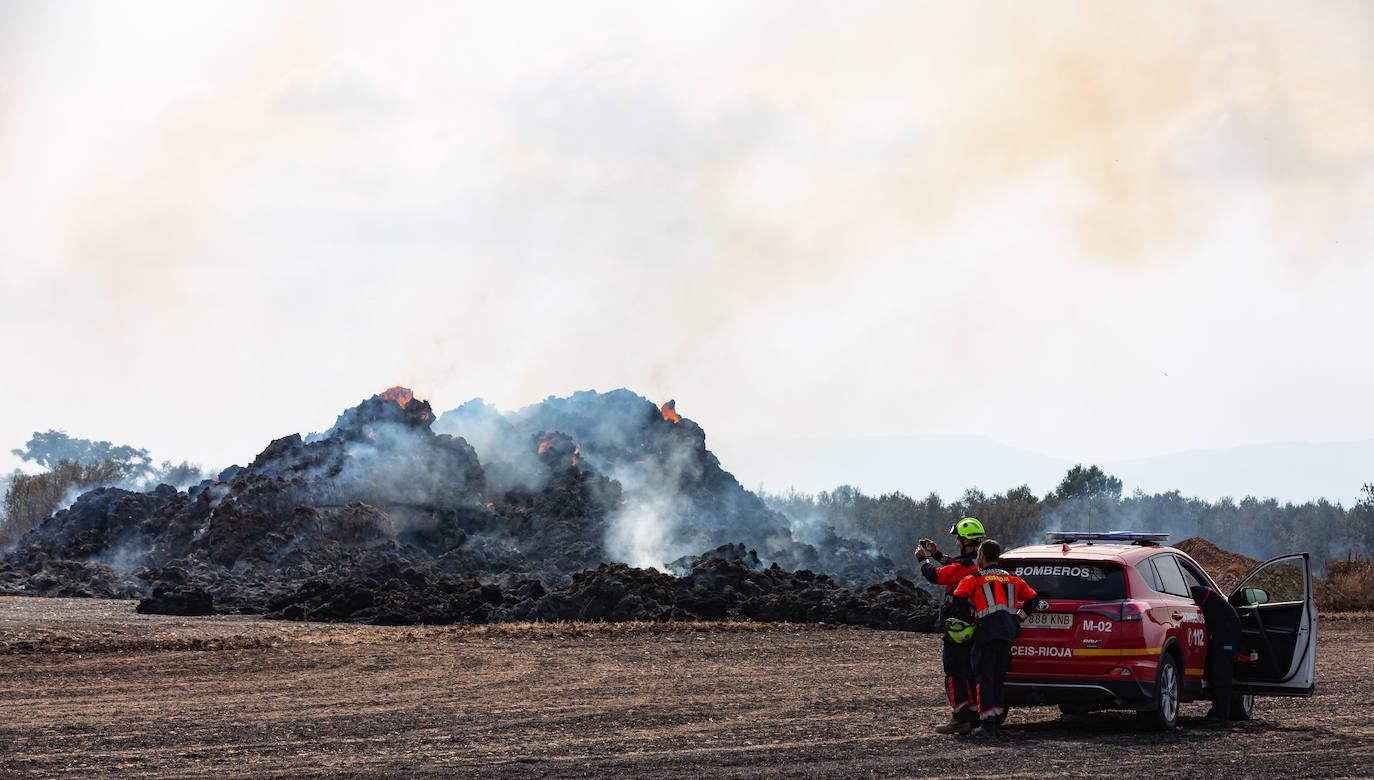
(948,571)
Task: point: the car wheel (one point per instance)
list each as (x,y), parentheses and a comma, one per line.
(1164,714)
(1242,707)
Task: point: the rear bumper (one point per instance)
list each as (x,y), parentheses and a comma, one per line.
(1030,691)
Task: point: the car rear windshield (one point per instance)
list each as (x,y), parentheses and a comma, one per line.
(1071,579)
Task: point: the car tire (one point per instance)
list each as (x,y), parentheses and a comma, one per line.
(1163,715)
(1242,706)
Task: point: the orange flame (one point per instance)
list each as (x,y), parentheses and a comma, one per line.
(670,412)
(548,444)
(401,395)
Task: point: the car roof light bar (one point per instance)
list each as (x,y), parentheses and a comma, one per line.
(1144,538)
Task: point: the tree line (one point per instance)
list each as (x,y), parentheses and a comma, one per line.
(1088,499)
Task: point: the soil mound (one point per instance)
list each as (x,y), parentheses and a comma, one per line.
(1226,568)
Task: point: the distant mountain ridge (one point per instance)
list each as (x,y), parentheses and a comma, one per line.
(919,465)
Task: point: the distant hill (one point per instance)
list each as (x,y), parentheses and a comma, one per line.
(920,465)
(1297,471)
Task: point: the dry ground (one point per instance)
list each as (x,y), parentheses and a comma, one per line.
(89,688)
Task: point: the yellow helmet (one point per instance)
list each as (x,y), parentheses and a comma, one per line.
(968,528)
(959,630)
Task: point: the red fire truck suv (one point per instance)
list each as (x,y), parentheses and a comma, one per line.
(1118,628)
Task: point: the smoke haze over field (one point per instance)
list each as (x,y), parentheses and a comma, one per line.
(1099,231)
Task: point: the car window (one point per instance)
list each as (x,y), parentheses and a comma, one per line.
(1170,576)
(1057,579)
(1147,572)
(1190,575)
(1279,582)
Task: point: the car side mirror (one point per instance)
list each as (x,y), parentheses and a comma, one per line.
(1256,596)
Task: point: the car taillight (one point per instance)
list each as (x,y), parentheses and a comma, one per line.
(1133,610)
(1107,609)
(1116,610)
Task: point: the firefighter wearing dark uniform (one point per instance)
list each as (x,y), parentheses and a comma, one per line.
(968,532)
(1223,638)
(998,601)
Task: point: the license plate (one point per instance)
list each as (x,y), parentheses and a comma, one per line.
(1049,620)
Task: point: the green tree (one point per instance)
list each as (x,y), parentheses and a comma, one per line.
(1012,518)
(1359,527)
(32,499)
(51,447)
(1087,499)
(1087,483)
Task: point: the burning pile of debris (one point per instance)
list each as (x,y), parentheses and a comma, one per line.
(494,517)
(672,498)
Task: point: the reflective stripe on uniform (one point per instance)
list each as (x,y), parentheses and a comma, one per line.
(989,583)
(994,608)
(957,704)
(988,599)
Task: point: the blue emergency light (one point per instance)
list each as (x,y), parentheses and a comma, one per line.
(1144,538)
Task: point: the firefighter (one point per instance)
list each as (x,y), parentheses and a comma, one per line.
(997,601)
(1223,639)
(968,533)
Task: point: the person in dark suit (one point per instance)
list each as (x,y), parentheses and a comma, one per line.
(1223,638)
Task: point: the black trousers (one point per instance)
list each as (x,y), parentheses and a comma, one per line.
(958,674)
(1220,672)
(991,660)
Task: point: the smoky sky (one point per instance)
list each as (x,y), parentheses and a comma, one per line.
(1095,230)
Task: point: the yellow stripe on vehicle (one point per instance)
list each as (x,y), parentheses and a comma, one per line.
(1194,672)
(1113,651)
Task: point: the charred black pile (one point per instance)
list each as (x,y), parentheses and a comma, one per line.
(714,589)
(497,517)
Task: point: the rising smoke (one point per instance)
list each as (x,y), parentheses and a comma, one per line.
(764,171)
(676,500)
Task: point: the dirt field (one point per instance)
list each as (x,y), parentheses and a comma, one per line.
(89,688)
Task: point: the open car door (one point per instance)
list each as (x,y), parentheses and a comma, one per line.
(1278,621)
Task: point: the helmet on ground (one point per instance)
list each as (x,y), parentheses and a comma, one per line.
(968,528)
(960,631)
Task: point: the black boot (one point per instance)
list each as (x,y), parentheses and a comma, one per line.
(1216,720)
(958,724)
(987,728)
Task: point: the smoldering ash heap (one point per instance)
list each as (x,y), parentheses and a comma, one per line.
(597,506)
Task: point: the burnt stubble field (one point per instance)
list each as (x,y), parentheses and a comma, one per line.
(90,688)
